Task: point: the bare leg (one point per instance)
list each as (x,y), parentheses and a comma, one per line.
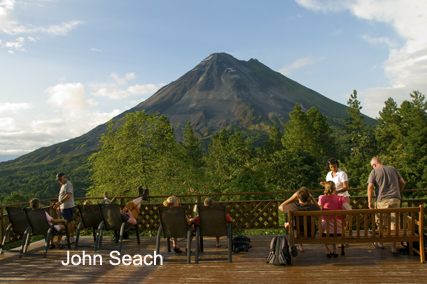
(137,202)
(218,244)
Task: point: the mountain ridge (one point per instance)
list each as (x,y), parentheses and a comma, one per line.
(218,92)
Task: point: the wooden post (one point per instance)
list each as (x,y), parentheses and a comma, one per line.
(52,212)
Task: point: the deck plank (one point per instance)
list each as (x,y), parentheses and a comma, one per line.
(362,263)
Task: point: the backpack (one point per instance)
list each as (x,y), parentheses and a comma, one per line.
(279,251)
(241,243)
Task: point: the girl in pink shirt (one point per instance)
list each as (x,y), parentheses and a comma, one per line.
(331,201)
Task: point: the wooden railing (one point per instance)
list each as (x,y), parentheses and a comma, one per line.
(246,214)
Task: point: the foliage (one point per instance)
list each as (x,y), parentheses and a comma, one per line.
(141,150)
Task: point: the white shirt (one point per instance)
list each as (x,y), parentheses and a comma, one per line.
(339,178)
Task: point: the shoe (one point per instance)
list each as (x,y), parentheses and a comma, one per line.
(52,246)
(294,251)
(394,253)
(335,255)
(177,250)
(140,193)
(113,200)
(377,246)
(72,240)
(329,254)
(64,241)
(342,250)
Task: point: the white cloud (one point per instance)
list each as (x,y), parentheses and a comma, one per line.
(113,94)
(406,65)
(9,23)
(30,38)
(121,81)
(7,124)
(95,49)
(298,64)
(13,107)
(17,44)
(380,40)
(142,89)
(69,97)
(92,102)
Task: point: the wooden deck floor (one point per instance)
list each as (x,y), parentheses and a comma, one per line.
(361,264)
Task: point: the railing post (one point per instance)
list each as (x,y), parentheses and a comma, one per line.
(52,212)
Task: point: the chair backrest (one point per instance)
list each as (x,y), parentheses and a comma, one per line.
(174,222)
(38,222)
(213,221)
(18,219)
(110,214)
(90,214)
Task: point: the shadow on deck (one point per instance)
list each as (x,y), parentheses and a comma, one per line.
(361,264)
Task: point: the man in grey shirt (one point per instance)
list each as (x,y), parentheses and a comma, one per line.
(65,204)
(388,185)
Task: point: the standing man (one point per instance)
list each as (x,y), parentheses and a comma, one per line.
(65,203)
(388,185)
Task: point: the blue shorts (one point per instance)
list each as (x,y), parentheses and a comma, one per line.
(67,214)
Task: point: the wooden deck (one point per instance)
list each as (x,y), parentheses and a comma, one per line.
(361,264)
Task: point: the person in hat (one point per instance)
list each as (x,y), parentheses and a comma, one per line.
(65,204)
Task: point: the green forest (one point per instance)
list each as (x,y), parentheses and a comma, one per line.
(141,150)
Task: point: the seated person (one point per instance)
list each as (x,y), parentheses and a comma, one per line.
(87,202)
(173,201)
(196,221)
(332,201)
(35,203)
(306,202)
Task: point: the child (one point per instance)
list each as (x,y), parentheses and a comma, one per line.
(209,202)
(332,201)
(35,203)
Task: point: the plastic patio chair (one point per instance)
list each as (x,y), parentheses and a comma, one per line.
(39,226)
(213,223)
(173,223)
(112,221)
(18,223)
(90,217)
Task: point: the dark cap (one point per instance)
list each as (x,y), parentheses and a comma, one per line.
(59,175)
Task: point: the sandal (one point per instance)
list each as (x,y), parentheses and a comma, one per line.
(177,250)
(377,246)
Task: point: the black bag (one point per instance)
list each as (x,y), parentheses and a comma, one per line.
(416,245)
(241,243)
(279,251)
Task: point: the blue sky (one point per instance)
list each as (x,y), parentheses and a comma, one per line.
(67,66)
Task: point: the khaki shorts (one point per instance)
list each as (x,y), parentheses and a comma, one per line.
(387,203)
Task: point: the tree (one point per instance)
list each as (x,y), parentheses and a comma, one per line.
(274,142)
(139,149)
(298,132)
(361,143)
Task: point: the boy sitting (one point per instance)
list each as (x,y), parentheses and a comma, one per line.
(196,221)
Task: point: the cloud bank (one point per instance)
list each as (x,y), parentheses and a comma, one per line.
(406,65)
